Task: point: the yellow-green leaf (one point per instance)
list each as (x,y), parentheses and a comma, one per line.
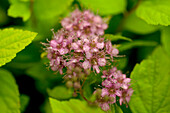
(12,41)
(9,94)
(151,82)
(156,12)
(105,7)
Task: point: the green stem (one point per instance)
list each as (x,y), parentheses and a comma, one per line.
(126,14)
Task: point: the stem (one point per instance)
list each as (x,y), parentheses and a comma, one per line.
(81,93)
(84,81)
(126,14)
(33,20)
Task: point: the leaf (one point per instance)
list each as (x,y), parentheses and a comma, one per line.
(137,43)
(27,58)
(9,94)
(137,25)
(165,39)
(20,9)
(72,106)
(45,107)
(116,37)
(24,102)
(151,81)
(60,92)
(116,109)
(53,9)
(156,12)
(12,41)
(105,7)
(44,77)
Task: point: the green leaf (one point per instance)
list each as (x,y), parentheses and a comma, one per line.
(105,7)
(53,9)
(60,92)
(137,43)
(9,94)
(24,102)
(151,81)
(165,38)
(12,41)
(20,9)
(72,106)
(44,77)
(116,109)
(116,37)
(45,107)
(156,12)
(137,25)
(27,58)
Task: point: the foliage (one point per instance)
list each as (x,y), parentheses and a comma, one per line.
(151,83)
(9,94)
(140,29)
(13,41)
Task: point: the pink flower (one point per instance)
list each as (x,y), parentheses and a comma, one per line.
(84,23)
(105,106)
(86,48)
(86,64)
(100,45)
(104,92)
(102,61)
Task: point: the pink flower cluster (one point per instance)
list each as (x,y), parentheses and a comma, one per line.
(84,24)
(115,84)
(88,52)
(79,47)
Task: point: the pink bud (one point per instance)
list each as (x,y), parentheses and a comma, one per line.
(53,43)
(97,19)
(96,68)
(115,51)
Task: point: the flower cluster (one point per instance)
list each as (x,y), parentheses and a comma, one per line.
(80,48)
(115,84)
(84,24)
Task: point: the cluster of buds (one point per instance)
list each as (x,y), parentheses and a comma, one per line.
(115,84)
(80,48)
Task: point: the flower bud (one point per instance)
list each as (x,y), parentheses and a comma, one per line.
(74,94)
(69,84)
(77,85)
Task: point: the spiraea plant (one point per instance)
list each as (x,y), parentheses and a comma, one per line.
(81,49)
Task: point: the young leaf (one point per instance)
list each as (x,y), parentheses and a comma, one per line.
(72,106)
(105,7)
(151,81)
(137,43)
(24,102)
(12,41)
(60,92)
(20,9)
(165,38)
(116,37)
(156,12)
(139,26)
(9,94)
